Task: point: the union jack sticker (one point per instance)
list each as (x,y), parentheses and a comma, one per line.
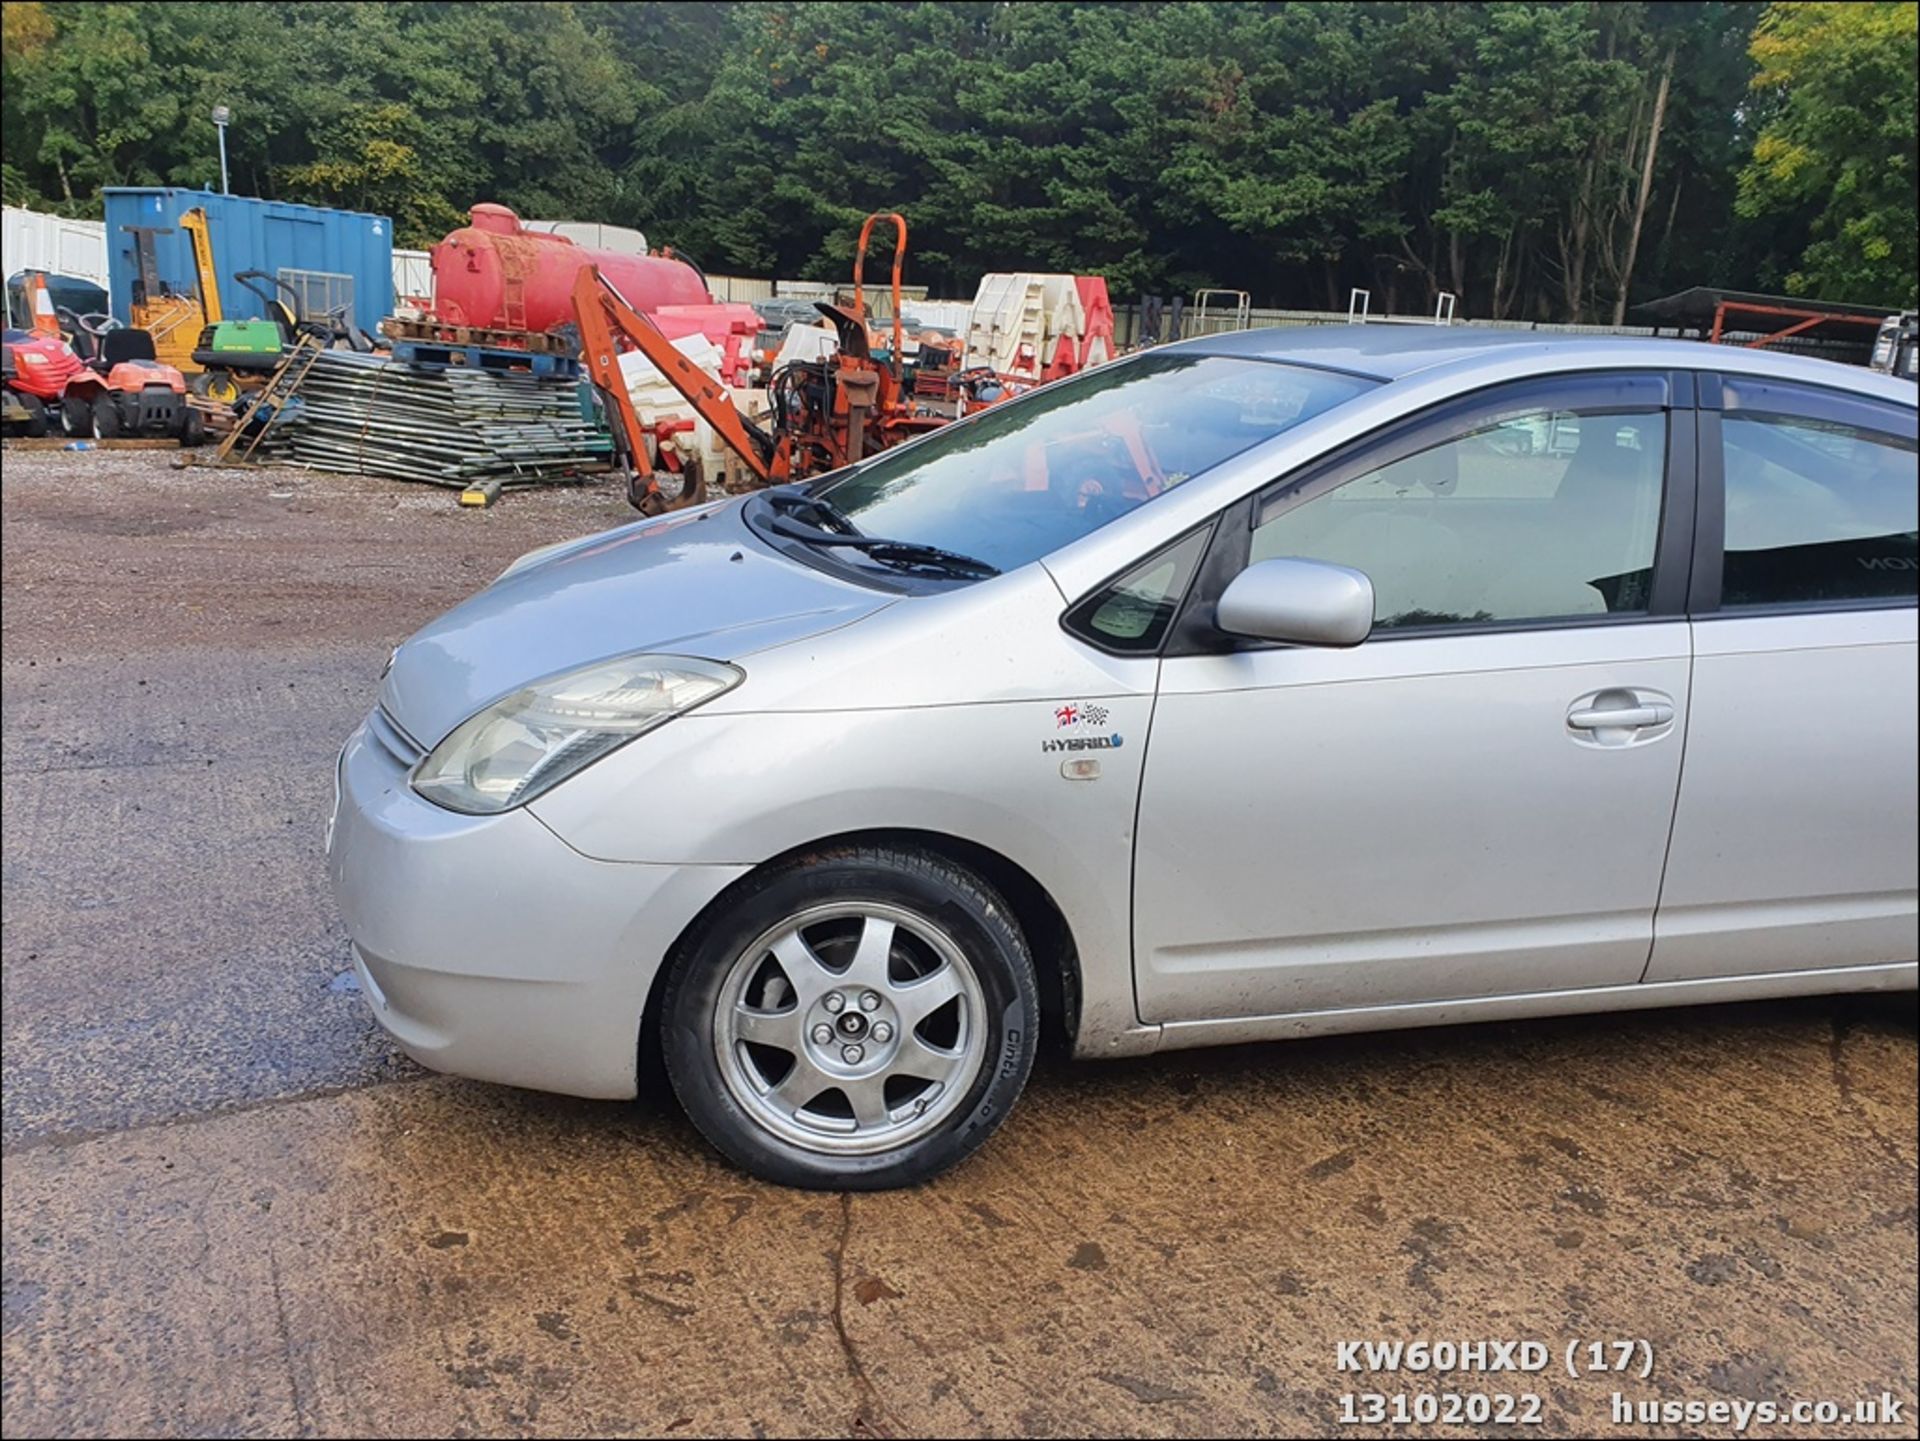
(1079,714)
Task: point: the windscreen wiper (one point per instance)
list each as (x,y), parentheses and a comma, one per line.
(786,502)
(897,552)
(911,555)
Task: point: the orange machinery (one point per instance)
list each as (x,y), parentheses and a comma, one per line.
(825,413)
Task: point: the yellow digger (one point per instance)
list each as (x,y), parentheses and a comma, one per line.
(175,321)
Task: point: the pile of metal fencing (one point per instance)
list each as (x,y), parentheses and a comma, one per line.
(455,426)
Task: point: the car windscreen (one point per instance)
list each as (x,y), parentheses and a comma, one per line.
(1029,476)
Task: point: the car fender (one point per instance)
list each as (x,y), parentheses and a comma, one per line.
(1053,794)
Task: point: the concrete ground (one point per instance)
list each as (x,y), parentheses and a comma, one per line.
(231,1207)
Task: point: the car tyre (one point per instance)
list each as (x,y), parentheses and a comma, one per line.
(76,415)
(106,417)
(934,928)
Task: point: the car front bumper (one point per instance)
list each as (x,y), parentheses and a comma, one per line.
(487,946)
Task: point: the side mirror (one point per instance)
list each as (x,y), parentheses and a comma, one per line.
(1306,602)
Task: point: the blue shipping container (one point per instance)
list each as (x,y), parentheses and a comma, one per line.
(327,251)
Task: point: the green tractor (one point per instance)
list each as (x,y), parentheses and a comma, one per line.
(240,354)
(236,354)
(232,351)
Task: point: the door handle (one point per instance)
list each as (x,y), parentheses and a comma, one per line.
(1620,716)
(1637,717)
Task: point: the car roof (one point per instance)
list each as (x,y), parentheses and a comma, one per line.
(1393,351)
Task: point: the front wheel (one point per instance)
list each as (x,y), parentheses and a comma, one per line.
(36,423)
(215,385)
(858,1020)
(106,417)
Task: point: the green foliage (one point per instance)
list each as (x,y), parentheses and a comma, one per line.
(1294,151)
(1837,81)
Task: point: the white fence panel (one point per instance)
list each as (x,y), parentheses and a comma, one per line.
(412,275)
(728,289)
(33,241)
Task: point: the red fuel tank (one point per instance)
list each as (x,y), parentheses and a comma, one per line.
(494,275)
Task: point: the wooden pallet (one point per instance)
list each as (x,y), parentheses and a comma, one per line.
(432,331)
(219,418)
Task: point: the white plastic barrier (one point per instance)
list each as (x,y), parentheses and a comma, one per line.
(952,316)
(655,400)
(806,342)
(1019,320)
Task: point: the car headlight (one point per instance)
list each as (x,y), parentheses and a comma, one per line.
(532,740)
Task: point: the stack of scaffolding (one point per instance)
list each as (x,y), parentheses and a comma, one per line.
(455,426)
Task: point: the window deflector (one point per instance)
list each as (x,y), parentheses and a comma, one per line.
(1601,393)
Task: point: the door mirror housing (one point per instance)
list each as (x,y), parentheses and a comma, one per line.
(1303,602)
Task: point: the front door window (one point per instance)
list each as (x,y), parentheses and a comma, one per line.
(1548,515)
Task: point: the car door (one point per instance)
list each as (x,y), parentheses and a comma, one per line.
(1794,845)
(1446,810)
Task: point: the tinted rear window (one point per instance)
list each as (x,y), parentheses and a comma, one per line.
(1817,511)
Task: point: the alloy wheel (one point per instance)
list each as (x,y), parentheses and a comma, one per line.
(850,1029)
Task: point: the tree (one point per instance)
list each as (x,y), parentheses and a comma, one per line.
(1839,144)
(1550,161)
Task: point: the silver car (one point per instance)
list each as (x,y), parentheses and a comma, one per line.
(1271,685)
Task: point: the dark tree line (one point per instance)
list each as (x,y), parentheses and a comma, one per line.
(1546,161)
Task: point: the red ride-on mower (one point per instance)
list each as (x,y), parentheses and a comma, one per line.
(35,369)
(122,390)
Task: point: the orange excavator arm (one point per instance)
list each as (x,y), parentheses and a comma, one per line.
(610,326)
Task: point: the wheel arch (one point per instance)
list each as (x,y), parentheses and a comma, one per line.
(1049,936)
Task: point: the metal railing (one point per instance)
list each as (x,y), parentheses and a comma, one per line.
(320,291)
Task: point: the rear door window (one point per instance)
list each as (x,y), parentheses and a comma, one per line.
(1818,510)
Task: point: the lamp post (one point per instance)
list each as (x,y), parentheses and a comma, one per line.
(221,115)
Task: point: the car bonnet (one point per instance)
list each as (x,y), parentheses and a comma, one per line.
(701,584)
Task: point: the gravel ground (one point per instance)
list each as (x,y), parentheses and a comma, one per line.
(340,556)
(231,1208)
(185,650)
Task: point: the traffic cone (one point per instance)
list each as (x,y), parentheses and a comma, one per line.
(44,320)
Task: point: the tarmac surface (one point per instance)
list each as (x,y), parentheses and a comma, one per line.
(231,1207)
